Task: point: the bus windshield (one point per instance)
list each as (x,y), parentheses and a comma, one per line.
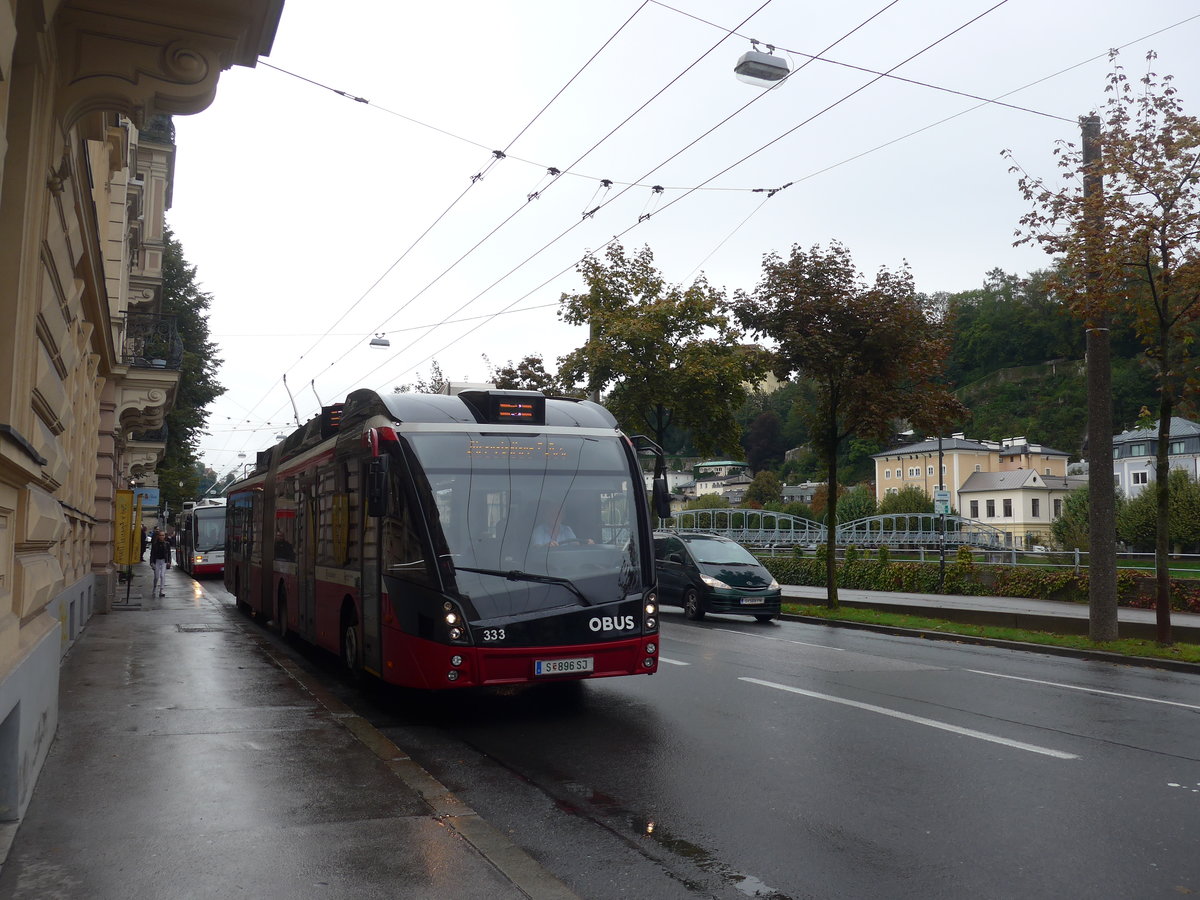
(560,508)
(210,530)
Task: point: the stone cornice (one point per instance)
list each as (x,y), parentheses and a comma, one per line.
(141,59)
(144,396)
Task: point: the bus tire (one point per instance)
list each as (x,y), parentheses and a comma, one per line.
(350,644)
(693,606)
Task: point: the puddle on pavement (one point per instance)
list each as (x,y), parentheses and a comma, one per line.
(648,829)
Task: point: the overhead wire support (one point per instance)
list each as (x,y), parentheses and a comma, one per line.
(671,203)
(555,178)
(497,155)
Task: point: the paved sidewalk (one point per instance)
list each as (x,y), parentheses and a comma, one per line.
(190,761)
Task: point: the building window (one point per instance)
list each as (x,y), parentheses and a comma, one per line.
(1035,508)
(978,468)
(1137,449)
(991,509)
(929,470)
(974,509)
(899,474)
(1142,477)
(1047,470)
(1007,508)
(1116,479)
(914,471)
(887,473)
(1175,447)
(1057,508)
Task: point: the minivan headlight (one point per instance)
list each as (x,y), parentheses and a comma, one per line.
(774,586)
(714,582)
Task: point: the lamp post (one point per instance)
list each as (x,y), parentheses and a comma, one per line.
(944,501)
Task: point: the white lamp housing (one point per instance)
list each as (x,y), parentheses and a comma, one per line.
(380,341)
(760,69)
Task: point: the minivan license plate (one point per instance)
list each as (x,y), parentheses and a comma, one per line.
(562,666)
(750,601)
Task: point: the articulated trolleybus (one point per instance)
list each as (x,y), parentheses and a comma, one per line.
(435,541)
(200,537)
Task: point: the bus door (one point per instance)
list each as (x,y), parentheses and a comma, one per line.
(306,554)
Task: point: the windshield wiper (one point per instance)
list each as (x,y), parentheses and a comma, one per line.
(518,575)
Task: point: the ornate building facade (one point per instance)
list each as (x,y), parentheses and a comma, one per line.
(88,366)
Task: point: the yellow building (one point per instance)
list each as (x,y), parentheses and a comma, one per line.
(89,366)
(916,464)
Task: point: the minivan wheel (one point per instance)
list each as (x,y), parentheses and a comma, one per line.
(692,607)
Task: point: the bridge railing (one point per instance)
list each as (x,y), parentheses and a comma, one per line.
(769,529)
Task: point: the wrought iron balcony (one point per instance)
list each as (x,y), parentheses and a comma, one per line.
(151,342)
(154,436)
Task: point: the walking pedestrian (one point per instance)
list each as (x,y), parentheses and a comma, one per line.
(142,555)
(160,561)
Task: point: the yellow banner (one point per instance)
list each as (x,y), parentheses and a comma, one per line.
(127,529)
(122,528)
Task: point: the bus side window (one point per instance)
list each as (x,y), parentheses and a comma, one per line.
(347,485)
(404,553)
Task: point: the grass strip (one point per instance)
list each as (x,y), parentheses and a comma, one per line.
(1125,647)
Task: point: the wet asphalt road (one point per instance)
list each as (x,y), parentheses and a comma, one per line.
(792,760)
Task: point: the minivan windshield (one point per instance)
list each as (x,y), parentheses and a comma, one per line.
(717,551)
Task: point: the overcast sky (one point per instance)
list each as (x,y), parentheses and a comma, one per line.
(310,216)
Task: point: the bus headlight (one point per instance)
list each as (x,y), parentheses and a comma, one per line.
(452,675)
(650,648)
(456,660)
(651,607)
(652,623)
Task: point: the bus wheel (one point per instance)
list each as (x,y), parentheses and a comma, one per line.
(693,608)
(350,649)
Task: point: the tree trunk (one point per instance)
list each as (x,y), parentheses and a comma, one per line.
(1162,527)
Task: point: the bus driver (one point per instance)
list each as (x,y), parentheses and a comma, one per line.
(551,531)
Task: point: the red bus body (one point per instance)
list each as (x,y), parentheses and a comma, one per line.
(200,538)
(401,532)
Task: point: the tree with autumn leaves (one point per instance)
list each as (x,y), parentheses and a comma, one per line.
(874,351)
(663,355)
(1130,250)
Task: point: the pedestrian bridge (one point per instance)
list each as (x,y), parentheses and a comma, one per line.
(762,528)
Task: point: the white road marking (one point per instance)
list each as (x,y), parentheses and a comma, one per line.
(673,662)
(1075,687)
(920,720)
(767,637)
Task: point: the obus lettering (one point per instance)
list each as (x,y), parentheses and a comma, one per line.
(612,623)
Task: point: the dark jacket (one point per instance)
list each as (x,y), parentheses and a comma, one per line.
(160,550)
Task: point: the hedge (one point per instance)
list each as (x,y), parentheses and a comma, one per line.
(964,576)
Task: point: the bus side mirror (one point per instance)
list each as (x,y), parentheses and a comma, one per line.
(377,486)
(662,498)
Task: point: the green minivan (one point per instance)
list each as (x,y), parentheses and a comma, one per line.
(706,573)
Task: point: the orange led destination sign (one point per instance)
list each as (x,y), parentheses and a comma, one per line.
(513,409)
